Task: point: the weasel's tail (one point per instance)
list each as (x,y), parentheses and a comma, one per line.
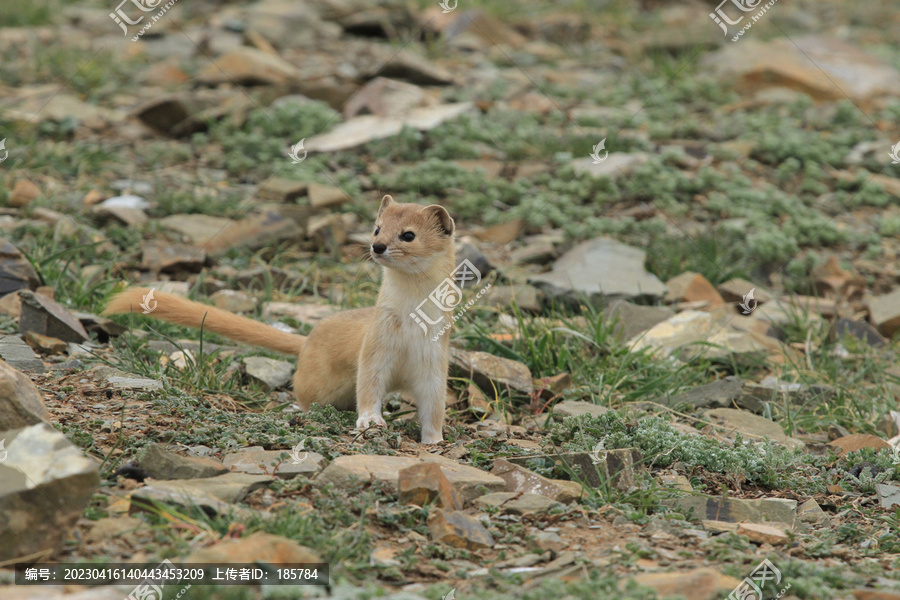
(181,311)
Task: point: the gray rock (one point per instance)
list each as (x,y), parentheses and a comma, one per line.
(273,373)
(484,369)
(45,485)
(384,97)
(518,504)
(21,404)
(632,319)
(811,512)
(252,460)
(526,297)
(42,315)
(469,481)
(888,495)
(724,393)
(600,269)
(860,330)
(411,67)
(216,235)
(162,464)
(20,355)
(459,530)
(471,253)
(617,466)
(750,426)
(16,272)
(214,495)
(360,130)
(736,510)
(134,383)
(615,166)
(575,408)
(167,257)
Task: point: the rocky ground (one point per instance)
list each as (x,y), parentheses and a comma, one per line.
(686,362)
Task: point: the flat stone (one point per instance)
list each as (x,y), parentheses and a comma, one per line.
(385,97)
(134,383)
(360,130)
(811,512)
(616,165)
(45,344)
(824,68)
(252,460)
(269,371)
(487,371)
(679,336)
(16,272)
(539,253)
(526,297)
(214,494)
(860,330)
(21,404)
(749,425)
(216,235)
(249,66)
(279,189)
(888,495)
(724,393)
(256,547)
(884,313)
(630,319)
(18,354)
(763,534)
(45,485)
(326,196)
(42,315)
(468,481)
(519,479)
(503,233)
(553,386)
(459,530)
(112,527)
(736,510)
(518,504)
(23,192)
(302,313)
(411,67)
(576,408)
(168,257)
(159,463)
(692,287)
(234,301)
(858,441)
(599,270)
(426,483)
(697,584)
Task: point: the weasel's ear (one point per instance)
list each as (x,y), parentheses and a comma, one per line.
(439,215)
(385,202)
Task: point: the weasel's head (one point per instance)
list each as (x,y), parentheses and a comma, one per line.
(411,237)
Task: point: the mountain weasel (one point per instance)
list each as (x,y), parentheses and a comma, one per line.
(354,358)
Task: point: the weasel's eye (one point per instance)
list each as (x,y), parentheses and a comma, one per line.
(377,230)
(407,236)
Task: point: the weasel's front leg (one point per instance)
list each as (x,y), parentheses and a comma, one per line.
(431,399)
(371,387)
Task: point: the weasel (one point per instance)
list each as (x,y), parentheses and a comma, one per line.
(354,358)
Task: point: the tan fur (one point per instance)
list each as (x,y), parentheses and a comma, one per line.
(354,358)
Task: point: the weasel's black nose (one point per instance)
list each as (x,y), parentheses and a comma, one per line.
(379,248)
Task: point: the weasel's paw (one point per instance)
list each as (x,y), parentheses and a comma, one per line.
(435,438)
(366,421)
